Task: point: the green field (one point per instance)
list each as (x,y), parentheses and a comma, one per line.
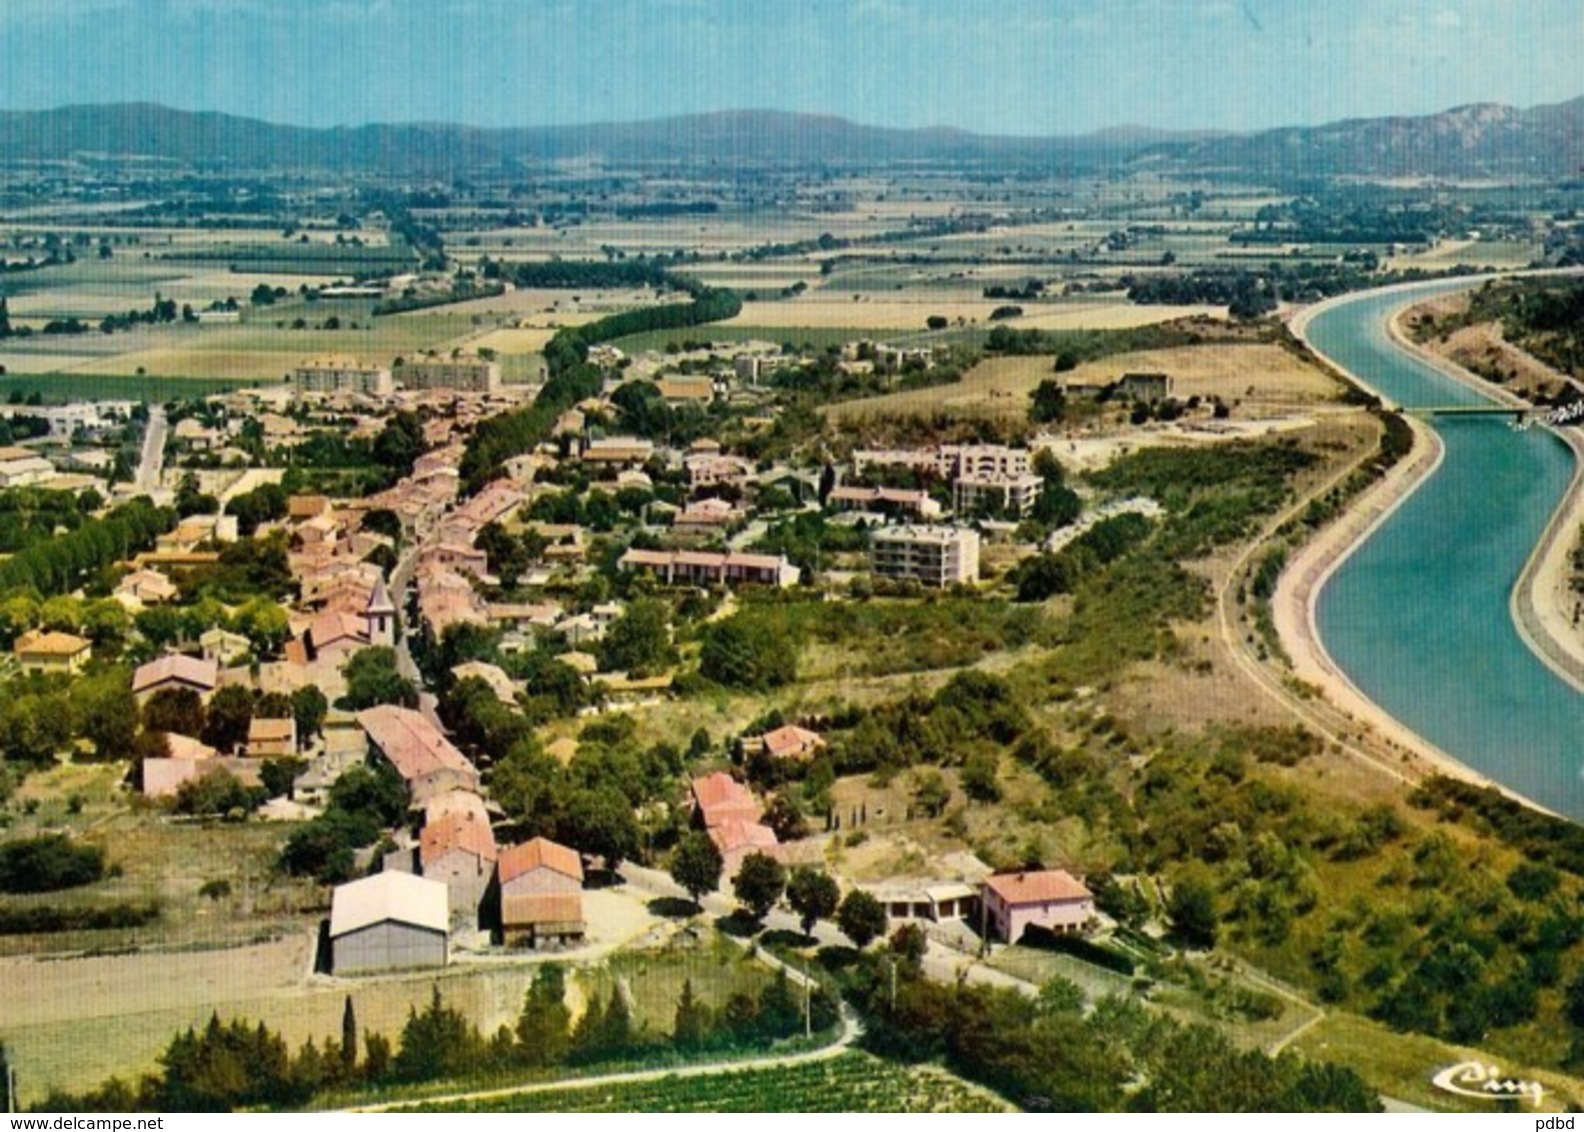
(61,388)
(816,337)
(852,1082)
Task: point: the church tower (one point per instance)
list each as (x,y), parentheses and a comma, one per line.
(380,616)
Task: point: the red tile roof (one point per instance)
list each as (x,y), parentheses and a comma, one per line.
(456,831)
(412,744)
(733,835)
(540,853)
(1046,887)
(720,797)
(786,741)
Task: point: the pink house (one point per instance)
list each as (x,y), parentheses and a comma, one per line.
(1052,899)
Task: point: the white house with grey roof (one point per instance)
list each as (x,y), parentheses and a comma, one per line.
(389,921)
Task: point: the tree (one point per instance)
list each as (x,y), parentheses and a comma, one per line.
(216,791)
(372,678)
(106,623)
(230,715)
(1573,1002)
(1043,575)
(440,1042)
(507,556)
(175,709)
(375,792)
(785,818)
(1060,995)
(399,443)
(1192,910)
(376,1056)
(349,1040)
(266,625)
(931,793)
(600,821)
(746,653)
(585,1035)
(639,641)
(48,863)
(909,944)
(279,776)
(978,777)
(308,708)
(813,895)
(692,1022)
(759,883)
(861,918)
(1049,402)
(109,714)
(696,865)
(544,1028)
(615,1033)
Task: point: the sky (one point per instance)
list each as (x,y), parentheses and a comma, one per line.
(1025,67)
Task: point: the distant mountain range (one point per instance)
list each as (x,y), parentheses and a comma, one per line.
(1469,141)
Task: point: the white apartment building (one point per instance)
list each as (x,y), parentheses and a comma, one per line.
(932,556)
(339,375)
(975,491)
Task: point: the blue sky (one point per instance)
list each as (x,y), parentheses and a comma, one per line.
(995,66)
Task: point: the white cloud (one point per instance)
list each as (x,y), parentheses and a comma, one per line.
(1447,18)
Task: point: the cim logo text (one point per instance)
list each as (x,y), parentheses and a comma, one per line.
(1486,1083)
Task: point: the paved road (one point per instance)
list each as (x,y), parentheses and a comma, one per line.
(153,461)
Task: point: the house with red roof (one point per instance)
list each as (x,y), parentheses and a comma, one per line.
(719,798)
(1052,899)
(426,760)
(789,742)
(736,839)
(458,848)
(728,811)
(541,894)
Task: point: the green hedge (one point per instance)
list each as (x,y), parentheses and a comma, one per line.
(1079,948)
(40,918)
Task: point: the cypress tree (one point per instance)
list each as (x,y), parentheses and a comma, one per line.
(349,1039)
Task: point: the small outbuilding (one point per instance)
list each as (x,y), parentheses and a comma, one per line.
(386,922)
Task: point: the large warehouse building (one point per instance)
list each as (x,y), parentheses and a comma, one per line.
(387,922)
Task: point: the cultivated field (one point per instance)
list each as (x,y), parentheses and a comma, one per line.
(263,351)
(1106,316)
(852,1082)
(518,340)
(1254,374)
(862,311)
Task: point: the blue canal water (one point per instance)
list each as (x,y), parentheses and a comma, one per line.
(1419,616)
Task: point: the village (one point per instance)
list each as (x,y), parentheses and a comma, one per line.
(417,569)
